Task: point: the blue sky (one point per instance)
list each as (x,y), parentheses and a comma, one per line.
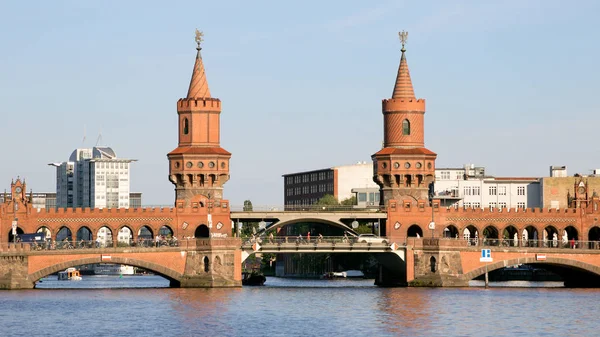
(510,85)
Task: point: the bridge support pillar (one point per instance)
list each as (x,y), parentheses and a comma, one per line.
(14,273)
(392,269)
(212,264)
(435,267)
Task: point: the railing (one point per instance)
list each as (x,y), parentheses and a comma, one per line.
(84,245)
(297,240)
(308,208)
(485,242)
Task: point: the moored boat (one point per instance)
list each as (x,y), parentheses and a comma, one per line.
(333,275)
(70,274)
(253,279)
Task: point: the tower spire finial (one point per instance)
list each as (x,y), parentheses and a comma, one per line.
(403,37)
(199,38)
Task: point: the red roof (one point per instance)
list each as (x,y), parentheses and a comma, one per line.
(200,150)
(394,150)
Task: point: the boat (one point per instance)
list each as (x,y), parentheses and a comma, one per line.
(70,274)
(253,278)
(113,269)
(333,275)
(354,274)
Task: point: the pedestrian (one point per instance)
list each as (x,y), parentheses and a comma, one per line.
(271,237)
(308,236)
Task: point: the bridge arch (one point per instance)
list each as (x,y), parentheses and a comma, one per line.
(594,234)
(171,275)
(570,270)
(451,231)
(283,223)
(145,232)
(510,235)
(572,232)
(124,235)
(84,233)
(202,231)
(64,232)
(414,231)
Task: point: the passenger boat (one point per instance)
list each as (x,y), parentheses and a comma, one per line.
(253,279)
(70,274)
(333,275)
(113,269)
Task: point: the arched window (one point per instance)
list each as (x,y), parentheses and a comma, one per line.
(185,126)
(405,127)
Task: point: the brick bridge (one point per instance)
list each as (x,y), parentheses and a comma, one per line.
(193,263)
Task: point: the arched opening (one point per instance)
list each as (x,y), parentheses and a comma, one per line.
(11,237)
(432,264)
(201,232)
(405,127)
(46,231)
(206,263)
(471,235)
(84,234)
(186,126)
(124,237)
(166,231)
(594,238)
(571,235)
(550,237)
(451,232)
(530,236)
(414,231)
(145,233)
(490,236)
(510,236)
(64,233)
(104,237)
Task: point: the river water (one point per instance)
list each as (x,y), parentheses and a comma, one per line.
(144,306)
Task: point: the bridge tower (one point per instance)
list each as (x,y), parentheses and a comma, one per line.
(198,167)
(403,168)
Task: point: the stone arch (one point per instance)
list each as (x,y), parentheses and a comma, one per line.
(471,234)
(530,236)
(202,232)
(145,232)
(432,264)
(572,232)
(166,230)
(550,261)
(64,232)
(414,231)
(451,231)
(550,237)
(510,236)
(281,224)
(84,233)
(104,236)
(161,270)
(11,237)
(594,237)
(124,235)
(206,264)
(490,235)
(44,229)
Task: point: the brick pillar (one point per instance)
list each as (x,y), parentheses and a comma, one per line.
(13,273)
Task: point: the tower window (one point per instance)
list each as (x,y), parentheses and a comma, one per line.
(185,126)
(405,127)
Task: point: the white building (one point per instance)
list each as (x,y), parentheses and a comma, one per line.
(470,187)
(93,178)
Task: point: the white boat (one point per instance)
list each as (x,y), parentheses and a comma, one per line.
(113,269)
(354,273)
(333,275)
(70,274)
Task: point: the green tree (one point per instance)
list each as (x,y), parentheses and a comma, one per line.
(327,200)
(248,206)
(349,201)
(249,227)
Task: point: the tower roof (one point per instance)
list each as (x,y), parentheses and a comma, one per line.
(198,84)
(403,87)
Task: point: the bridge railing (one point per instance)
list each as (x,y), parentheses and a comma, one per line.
(279,240)
(63,245)
(306,208)
(485,242)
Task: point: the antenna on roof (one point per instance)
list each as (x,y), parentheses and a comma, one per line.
(83,140)
(99,137)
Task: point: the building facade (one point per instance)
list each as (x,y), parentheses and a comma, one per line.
(94,178)
(306,188)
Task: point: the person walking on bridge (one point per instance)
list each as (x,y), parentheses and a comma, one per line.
(308,237)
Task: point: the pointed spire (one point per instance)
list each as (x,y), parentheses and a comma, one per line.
(403,87)
(198,84)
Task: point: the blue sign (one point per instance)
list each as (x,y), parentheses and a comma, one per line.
(486,253)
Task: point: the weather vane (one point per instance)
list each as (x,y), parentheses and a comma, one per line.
(198,37)
(403,37)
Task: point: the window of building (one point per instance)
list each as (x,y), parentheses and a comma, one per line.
(459,175)
(305,189)
(476,190)
(476,205)
(520,190)
(493,190)
(501,205)
(186,126)
(467,190)
(521,205)
(501,190)
(405,127)
(362,197)
(445,175)
(467,205)
(492,205)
